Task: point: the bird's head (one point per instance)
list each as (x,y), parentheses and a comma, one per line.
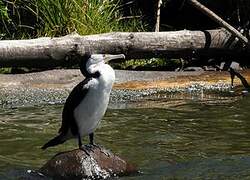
(92,63)
(102,58)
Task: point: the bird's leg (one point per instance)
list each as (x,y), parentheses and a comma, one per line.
(91,139)
(92,144)
(79,141)
(81,147)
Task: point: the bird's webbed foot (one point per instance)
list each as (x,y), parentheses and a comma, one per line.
(88,149)
(93,146)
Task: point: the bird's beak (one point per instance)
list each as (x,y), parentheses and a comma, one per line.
(109,57)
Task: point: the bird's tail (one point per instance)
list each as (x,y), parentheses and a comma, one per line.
(55,141)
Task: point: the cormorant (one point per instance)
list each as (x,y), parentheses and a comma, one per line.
(88,101)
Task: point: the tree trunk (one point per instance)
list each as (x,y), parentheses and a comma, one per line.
(63,51)
(158,16)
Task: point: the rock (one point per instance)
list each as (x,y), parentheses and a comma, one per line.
(93,163)
(193,69)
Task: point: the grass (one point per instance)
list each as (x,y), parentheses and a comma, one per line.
(35,18)
(87,17)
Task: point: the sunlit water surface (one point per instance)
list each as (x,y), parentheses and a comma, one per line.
(191,140)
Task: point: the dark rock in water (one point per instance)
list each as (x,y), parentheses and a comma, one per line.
(97,163)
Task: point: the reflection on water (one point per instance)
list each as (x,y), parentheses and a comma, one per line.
(192,139)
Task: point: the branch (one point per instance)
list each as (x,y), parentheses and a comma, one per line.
(219,20)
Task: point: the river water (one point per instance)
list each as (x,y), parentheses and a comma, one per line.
(191,139)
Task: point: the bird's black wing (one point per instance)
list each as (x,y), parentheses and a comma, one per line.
(73,100)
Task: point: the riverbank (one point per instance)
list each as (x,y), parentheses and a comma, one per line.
(53,86)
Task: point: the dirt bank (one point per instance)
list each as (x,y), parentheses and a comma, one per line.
(50,87)
(146,80)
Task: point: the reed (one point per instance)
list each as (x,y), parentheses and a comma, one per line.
(36,18)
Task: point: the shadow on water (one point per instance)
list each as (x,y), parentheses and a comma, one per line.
(190,139)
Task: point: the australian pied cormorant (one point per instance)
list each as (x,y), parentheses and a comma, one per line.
(88,101)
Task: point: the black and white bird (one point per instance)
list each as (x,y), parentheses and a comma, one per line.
(88,101)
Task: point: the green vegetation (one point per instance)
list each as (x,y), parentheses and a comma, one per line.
(5,70)
(149,64)
(4,17)
(35,18)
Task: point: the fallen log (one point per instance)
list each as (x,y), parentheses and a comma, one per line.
(64,51)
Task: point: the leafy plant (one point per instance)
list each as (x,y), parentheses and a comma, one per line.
(4,12)
(4,17)
(85,17)
(35,18)
(53,17)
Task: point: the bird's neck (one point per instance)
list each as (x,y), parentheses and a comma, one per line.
(90,72)
(107,75)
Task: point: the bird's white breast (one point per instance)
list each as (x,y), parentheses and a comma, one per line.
(93,107)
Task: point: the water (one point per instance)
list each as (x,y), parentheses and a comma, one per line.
(192,139)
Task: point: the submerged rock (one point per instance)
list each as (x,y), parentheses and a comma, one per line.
(93,163)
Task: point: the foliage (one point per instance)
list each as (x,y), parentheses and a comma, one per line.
(4,12)
(35,18)
(4,17)
(149,64)
(16,22)
(5,70)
